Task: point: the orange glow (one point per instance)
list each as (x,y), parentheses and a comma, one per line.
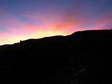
(29,32)
(20,30)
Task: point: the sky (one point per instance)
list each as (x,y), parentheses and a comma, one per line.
(26,19)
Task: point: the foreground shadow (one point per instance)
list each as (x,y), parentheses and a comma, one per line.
(72,59)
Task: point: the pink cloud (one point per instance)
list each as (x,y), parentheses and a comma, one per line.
(50,25)
(104,22)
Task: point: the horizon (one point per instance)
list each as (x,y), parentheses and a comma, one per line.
(11,43)
(27,19)
(53,36)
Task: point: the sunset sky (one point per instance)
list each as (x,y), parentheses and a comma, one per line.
(25,19)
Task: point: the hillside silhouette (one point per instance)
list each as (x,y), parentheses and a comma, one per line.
(74,59)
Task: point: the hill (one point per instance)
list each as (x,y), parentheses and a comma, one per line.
(72,59)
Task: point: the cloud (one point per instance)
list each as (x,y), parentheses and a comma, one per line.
(52,18)
(104,22)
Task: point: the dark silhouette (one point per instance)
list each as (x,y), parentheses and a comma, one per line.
(74,59)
